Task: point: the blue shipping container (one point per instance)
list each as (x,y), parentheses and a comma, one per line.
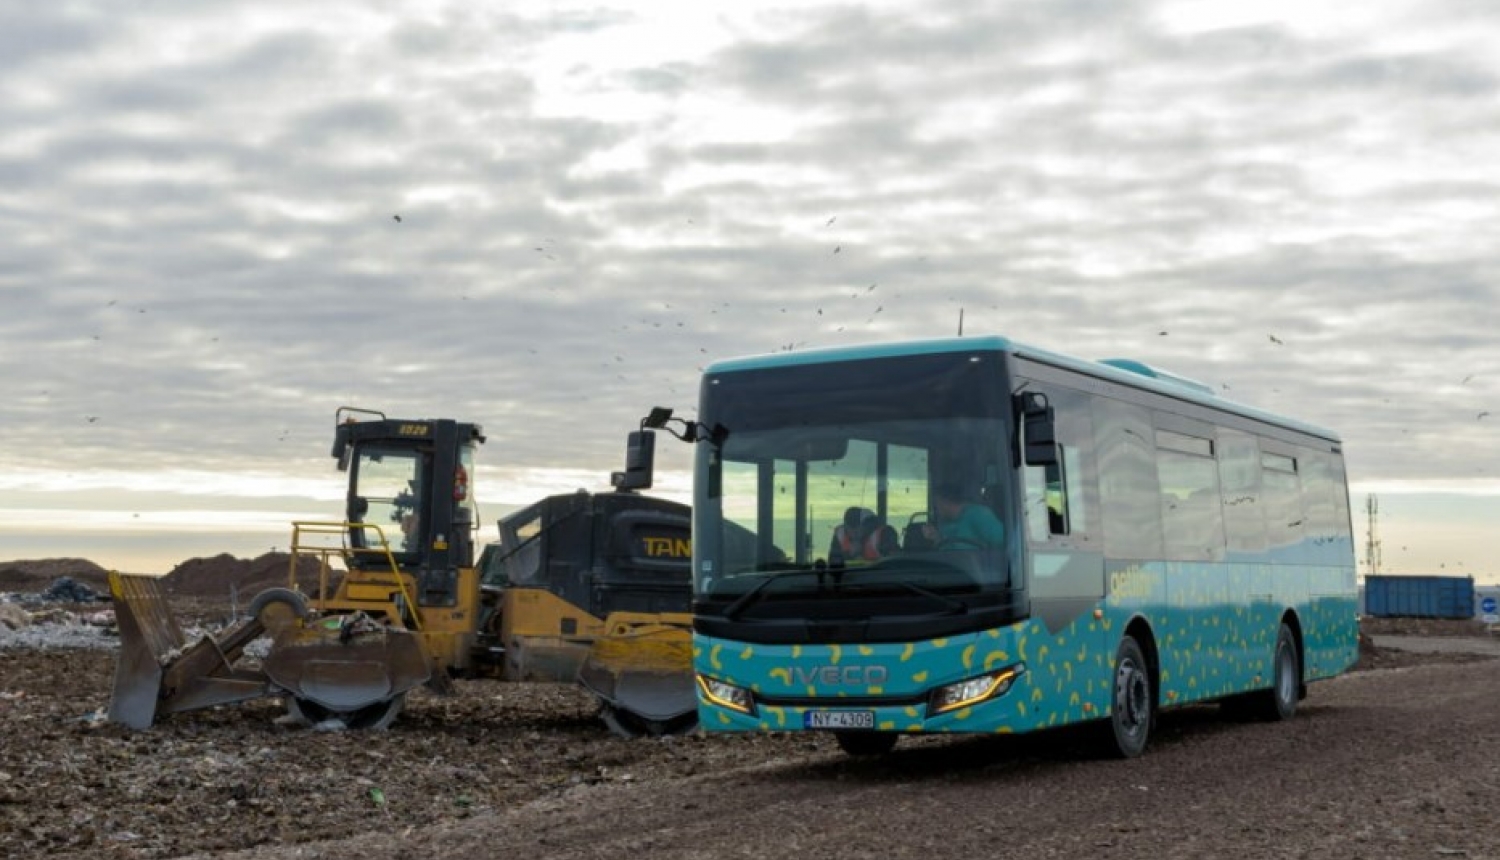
(1419,596)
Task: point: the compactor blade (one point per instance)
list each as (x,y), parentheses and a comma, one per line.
(159,672)
(148,633)
(329,669)
(643,675)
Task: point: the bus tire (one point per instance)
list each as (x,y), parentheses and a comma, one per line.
(858,743)
(1133,703)
(1280,701)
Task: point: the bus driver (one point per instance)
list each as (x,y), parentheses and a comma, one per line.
(962,525)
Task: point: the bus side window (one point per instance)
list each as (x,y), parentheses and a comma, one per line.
(1060,497)
(1038,513)
(1057,499)
(1047,502)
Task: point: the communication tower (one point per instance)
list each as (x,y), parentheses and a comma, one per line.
(1372,540)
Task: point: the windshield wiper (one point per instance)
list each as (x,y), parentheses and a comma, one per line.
(746,600)
(955,607)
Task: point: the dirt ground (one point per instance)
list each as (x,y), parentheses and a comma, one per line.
(1399,759)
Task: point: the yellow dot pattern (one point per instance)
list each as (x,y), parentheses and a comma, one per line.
(1211,628)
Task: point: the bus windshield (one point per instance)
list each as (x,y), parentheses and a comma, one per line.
(856,490)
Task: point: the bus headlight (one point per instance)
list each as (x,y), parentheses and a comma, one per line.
(726,695)
(973,690)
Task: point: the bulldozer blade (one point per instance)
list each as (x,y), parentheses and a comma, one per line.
(158,672)
(644,678)
(343,673)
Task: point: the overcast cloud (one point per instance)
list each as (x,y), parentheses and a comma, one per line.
(200,259)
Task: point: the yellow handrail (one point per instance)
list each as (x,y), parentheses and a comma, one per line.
(347,553)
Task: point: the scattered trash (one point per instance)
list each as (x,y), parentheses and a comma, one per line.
(13,617)
(68,590)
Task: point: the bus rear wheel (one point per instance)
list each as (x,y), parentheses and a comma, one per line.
(1280,702)
(1133,706)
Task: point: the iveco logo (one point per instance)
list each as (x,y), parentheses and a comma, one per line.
(853,675)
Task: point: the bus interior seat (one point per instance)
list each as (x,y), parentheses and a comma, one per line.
(914,534)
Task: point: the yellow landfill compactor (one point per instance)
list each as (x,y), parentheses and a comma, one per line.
(398,602)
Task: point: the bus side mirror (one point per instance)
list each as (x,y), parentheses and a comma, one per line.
(1038,430)
(640,462)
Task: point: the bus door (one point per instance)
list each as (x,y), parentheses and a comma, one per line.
(1061,514)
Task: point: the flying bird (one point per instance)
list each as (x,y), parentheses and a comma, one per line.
(1274,338)
(1466,379)
(831,220)
(838,248)
(1480,415)
(397,217)
(1161,334)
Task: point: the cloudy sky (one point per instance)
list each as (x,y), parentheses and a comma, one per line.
(200,259)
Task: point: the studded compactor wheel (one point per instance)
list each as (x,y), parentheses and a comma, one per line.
(371,717)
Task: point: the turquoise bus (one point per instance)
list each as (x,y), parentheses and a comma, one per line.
(975,535)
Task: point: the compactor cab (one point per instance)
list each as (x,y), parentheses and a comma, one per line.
(410,508)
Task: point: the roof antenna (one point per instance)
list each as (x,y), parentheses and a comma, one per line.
(960,322)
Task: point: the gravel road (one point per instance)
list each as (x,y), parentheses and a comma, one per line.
(1394,761)
(1489,647)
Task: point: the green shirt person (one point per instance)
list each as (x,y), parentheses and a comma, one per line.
(963,525)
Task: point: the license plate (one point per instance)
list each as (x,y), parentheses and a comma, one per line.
(838,720)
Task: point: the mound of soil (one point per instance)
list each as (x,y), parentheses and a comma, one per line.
(224,575)
(29,576)
(203,586)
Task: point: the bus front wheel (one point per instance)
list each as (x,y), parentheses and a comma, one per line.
(1133,705)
